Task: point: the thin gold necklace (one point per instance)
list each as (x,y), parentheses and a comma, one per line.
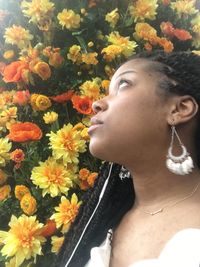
(174,204)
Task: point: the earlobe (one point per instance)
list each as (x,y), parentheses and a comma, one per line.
(183,110)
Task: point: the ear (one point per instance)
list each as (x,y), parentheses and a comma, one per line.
(183,109)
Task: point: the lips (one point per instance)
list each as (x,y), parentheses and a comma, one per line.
(95,123)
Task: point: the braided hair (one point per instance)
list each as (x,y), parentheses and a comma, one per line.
(181,76)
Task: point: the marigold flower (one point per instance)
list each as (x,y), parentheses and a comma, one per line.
(50,117)
(85,135)
(74,54)
(195,23)
(43,70)
(186,7)
(3,177)
(28,204)
(20,191)
(79,126)
(146,32)
(111,52)
(4,192)
(84,173)
(23,240)
(91,178)
(49,228)
(166,44)
(66,212)
(55,59)
(167,28)
(69,19)
(83,104)
(105,84)
(112,17)
(91,89)
(5,147)
(9,114)
(24,131)
(52,177)
(42,102)
(182,34)
(8,54)
(17,35)
(144,9)
(14,71)
(21,97)
(56,243)
(17,155)
(63,97)
(90,58)
(66,144)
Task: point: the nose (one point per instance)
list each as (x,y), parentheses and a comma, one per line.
(99,105)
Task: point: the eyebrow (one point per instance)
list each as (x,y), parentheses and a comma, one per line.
(127,71)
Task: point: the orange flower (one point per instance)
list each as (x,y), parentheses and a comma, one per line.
(28,204)
(167,28)
(17,155)
(20,191)
(49,228)
(84,173)
(3,177)
(21,97)
(91,179)
(182,35)
(14,71)
(63,97)
(148,47)
(43,70)
(24,131)
(55,59)
(166,44)
(82,104)
(4,192)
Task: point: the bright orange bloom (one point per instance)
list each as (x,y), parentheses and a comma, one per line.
(182,35)
(167,28)
(4,192)
(84,173)
(91,179)
(55,59)
(24,131)
(63,97)
(43,70)
(49,228)
(166,44)
(14,71)
(21,97)
(20,191)
(17,155)
(82,104)
(28,204)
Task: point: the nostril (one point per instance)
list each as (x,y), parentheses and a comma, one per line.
(96,107)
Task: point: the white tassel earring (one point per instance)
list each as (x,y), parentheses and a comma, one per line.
(182,164)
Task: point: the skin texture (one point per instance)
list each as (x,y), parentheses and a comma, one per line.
(132,128)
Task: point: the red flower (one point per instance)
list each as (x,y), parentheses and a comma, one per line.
(24,131)
(63,97)
(182,35)
(82,104)
(49,228)
(14,71)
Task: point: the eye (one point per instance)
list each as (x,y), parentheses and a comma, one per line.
(122,83)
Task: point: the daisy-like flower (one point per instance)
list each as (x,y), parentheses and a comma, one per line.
(50,117)
(143,9)
(52,177)
(184,7)
(5,147)
(23,240)
(56,243)
(69,19)
(66,212)
(17,35)
(91,89)
(90,58)
(112,17)
(66,144)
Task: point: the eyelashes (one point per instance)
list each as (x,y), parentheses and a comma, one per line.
(123,83)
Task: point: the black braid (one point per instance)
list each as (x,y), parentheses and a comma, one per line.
(182,72)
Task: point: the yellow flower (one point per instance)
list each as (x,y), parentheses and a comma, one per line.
(90,58)
(23,240)
(197,52)
(20,191)
(3,177)
(105,84)
(69,19)
(112,17)
(17,35)
(74,54)
(43,70)
(56,243)
(5,147)
(186,7)
(8,54)
(145,31)
(79,126)
(90,89)
(144,9)
(39,11)
(52,177)
(28,204)
(40,102)
(127,46)
(66,144)
(111,52)
(66,212)
(4,192)
(9,114)
(50,117)
(85,135)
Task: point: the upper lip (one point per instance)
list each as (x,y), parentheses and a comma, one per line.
(95,120)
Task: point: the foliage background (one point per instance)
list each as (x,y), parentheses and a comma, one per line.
(104,33)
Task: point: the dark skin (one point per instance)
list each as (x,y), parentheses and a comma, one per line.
(132,128)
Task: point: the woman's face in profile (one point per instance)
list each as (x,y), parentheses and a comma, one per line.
(131,117)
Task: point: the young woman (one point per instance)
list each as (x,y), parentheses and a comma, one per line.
(150,124)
